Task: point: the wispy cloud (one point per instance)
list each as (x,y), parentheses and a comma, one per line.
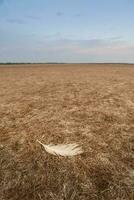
(91,43)
(33,17)
(67,50)
(77,15)
(59,14)
(23,21)
(16,21)
(99,48)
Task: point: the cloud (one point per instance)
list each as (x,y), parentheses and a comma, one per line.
(70,50)
(59,14)
(77,15)
(91,43)
(102,49)
(16,21)
(105,48)
(33,17)
(23,21)
(114,50)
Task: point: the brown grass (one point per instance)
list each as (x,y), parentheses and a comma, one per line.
(92,105)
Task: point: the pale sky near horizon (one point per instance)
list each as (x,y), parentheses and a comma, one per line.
(67,31)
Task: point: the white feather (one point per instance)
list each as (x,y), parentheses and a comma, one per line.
(62,149)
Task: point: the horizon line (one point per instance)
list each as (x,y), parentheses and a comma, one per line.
(30,63)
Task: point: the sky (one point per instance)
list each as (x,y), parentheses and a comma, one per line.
(67,31)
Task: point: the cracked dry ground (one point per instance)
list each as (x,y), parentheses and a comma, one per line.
(92,105)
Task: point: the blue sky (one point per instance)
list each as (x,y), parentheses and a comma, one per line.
(67,31)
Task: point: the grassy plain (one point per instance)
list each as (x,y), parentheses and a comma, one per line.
(91,104)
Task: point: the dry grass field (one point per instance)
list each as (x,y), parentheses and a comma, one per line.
(92,105)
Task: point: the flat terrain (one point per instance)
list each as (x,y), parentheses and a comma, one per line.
(92,105)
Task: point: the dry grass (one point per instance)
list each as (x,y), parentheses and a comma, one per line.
(92,105)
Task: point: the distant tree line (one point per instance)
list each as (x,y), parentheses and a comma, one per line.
(28,63)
